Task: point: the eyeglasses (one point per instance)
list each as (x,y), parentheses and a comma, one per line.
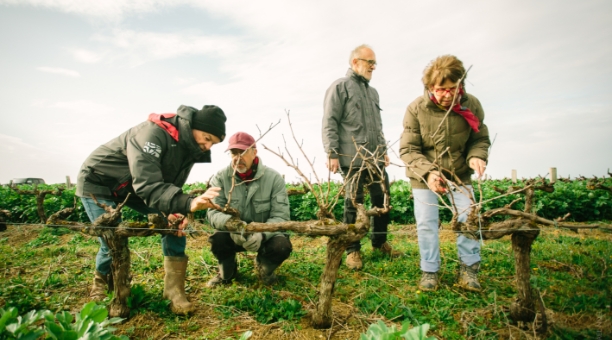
(442,91)
(371,62)
(238,153)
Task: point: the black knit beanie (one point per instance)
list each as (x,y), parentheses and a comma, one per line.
(210,119)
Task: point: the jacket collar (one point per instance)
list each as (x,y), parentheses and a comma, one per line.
(427,103)
(360,79)
(261,169)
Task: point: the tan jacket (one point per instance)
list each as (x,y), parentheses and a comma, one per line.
(418,149)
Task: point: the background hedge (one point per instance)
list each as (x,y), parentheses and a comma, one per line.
(573,197)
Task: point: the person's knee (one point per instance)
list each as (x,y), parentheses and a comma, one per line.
(221,245)
(278,248)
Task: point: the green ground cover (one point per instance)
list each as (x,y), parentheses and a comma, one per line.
(45,268)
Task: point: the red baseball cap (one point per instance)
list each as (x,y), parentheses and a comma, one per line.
(241,141)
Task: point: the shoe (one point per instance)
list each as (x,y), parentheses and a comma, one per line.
(227,272)
(387,250)
(100,286)
(353,260)
(429,282)
(468,277)
(265,271)
(174,285)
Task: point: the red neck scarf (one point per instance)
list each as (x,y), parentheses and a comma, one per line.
(249,174)
(463,111)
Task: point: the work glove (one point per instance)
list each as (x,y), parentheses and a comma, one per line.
(235,224)
(253,242)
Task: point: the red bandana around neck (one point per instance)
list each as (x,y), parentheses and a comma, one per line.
(249,174)
(463,111)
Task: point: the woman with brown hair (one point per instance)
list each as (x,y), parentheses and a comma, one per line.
(443,143)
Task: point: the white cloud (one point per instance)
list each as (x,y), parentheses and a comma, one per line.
(60,71)
(86,56)
(82,106)
(141,47)
(107,9)
(537,66)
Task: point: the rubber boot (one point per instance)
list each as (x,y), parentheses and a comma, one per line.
(227,272)
(100,286)
(174,284)
(265,270)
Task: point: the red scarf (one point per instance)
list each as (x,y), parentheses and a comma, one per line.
(249,174)
(463,111)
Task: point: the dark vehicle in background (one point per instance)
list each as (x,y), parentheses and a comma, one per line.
(28,181)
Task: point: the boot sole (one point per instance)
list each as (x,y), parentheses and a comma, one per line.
(423,289)
(471,289)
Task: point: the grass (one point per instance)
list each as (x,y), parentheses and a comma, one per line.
(44,268)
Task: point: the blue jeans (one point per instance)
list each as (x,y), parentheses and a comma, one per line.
(426,212)
(171,245)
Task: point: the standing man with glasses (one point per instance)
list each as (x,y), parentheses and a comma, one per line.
(259,195)
(351,119)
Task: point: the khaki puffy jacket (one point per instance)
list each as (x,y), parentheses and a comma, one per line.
(418,149)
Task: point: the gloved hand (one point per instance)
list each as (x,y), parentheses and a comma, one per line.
(253,242)
(235,224)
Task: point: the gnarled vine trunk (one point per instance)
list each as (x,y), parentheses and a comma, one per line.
(523,309)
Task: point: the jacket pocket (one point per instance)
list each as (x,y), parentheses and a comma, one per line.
(261,206)
(123,187)
(352,121)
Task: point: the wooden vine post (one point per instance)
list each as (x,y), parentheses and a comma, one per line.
(524,230)
(40,198)
(3,213)
(340,237)
(116,235)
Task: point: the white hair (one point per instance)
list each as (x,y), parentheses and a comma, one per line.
(355,53)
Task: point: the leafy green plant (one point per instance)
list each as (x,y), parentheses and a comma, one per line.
(90,323)
(380,331)
(265,306)
(569,197)
(143,300)
(13,326)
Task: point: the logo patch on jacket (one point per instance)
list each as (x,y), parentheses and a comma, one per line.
(152,149)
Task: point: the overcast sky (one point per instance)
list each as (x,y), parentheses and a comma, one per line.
(75,74)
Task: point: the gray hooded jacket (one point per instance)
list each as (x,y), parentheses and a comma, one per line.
(146,161)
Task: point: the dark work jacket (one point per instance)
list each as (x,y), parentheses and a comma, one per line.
(150,161)
(351,119)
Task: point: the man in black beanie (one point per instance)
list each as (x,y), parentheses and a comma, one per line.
(152,162)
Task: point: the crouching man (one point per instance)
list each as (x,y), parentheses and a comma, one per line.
(259,194)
